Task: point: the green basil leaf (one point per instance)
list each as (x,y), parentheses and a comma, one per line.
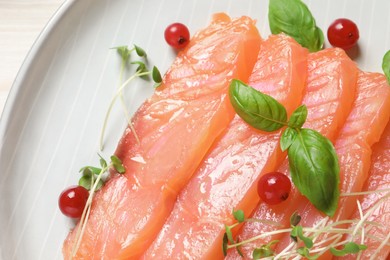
(386,65)
(298,117)
(287,138)
(295,219)
(239,215)
(295,19)
(140,52)
(257,109)
(117,163)
(315,169)
(349,248)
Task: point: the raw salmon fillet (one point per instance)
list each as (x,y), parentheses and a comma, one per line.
(379,179)
(176,128)
(228,175)
(330,92)
(363,128)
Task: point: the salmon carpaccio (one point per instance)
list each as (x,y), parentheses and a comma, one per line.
(376,205)
(363,128)
(330,92)
(227,177)
(176,128)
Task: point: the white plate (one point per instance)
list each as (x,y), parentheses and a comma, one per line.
(51,123)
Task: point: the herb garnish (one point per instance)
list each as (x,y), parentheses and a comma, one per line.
(313,160)
(294,18)
(141,71)
(386,65)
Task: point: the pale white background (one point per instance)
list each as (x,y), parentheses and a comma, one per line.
(21,21)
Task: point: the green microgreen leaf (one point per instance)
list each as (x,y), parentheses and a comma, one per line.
(294,18)
(298,117)
(306,240)
(295,219)
(349,248)
(260,111)
(315,169)
(103,162)
(89,170)
(141,66)
(140,52)
(238,249)
(287,138)
(225,241)
(124,52)
(117,163)
(156,75)
(87,182)
(304,251)
(386,65)
(264,250)
(239,215)
(229,234)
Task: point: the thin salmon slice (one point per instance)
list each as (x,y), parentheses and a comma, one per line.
(228,175)
(363,128)
(379,179)
(330,92)
(176,128)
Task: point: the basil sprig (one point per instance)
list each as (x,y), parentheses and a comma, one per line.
(293,18)
(386,65)
(313,160)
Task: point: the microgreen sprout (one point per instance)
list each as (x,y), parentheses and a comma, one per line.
(94,184)
(141,71)
(331,235)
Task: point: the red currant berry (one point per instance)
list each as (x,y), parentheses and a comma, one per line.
(72,201)
(177,35)
(343,33)
(274,187)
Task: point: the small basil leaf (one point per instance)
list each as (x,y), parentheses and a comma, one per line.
(287,138)
(156,75)
(295,219)
(315,169)
(257,109)
(295,19)
(225,241)
(117,163)
(239,215)
(386,65)
(298,117)
(349,248)
(140,52)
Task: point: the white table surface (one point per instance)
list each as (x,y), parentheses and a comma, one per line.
(21,22)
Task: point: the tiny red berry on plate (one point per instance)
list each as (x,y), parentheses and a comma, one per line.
(343,33)
(72,201)
(274,187)
(177,35)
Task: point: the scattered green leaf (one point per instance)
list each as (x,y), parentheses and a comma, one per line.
(87,182)
(304,251)
(117,163)
(140,52)
(298,117)
(315,169)
(156,75)
(239,215)
(260,111)
(124,52)
(225,241)
(229,234)
(386,65)
(349,248)
(295,219)
(141,66)
(287,138)
(294,18)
